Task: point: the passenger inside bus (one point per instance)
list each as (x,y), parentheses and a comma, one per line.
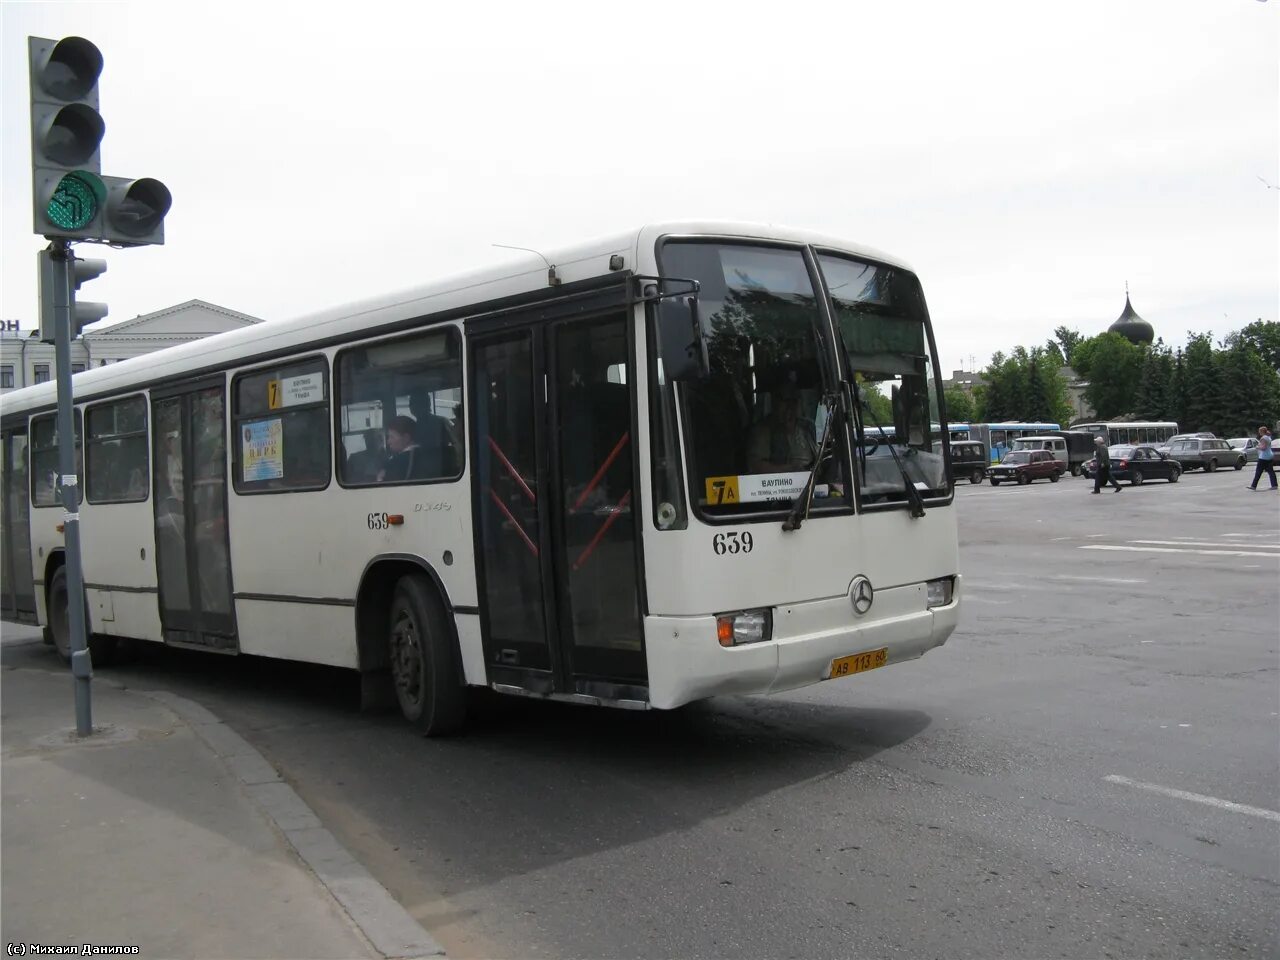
(405,459)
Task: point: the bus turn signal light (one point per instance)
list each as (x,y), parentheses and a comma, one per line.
(746,626)
(395,519)
(724,631)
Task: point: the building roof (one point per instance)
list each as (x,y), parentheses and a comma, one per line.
(194,319)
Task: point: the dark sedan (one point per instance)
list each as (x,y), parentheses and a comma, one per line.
(1023,466)
(1138,464)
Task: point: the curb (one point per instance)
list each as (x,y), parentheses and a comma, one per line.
(385,923)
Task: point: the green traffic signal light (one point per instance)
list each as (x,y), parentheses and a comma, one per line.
(75,201)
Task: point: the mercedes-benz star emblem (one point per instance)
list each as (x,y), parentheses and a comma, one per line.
(861,595)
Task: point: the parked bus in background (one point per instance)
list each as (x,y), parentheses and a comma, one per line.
(637,478)
(999,437)
(1137,431)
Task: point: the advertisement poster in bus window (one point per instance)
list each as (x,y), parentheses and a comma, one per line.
(262,453)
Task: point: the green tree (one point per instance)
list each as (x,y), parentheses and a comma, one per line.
(1264,337)
(1067,340)
(1053,387)
(880,406)
(1036,405)
(1114,368)
(1025,385)
(1151,401)
(960,406)
(1176,408)
(1203,384)
(1251,391)
(1006,386)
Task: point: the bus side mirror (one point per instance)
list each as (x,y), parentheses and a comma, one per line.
(682,347)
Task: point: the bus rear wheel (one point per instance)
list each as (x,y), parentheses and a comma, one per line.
(423,665)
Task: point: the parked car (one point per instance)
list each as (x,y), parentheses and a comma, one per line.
(968,459)
(1246,445)
(1168,444)
(1023,466)
(1138,463)
(1207,454)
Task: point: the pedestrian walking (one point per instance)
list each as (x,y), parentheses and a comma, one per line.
(1266,459)
(1102,475)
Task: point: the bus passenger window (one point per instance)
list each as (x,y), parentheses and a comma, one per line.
(281,436)
(46,486)
(117,452)
(401,410)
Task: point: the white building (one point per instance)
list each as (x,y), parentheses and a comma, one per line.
(24,360)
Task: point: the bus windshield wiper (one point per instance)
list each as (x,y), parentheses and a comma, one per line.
(800,506)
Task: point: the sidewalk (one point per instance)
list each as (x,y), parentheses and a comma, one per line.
(167,832)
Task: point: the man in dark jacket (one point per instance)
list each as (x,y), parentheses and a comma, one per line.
(1103,472)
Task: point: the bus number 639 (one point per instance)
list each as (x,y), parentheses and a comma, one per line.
(723,543)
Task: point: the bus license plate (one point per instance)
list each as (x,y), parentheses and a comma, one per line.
(843,666)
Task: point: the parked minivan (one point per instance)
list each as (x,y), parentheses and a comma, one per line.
(968,459)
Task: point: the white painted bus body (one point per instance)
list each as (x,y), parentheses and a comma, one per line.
(316,546)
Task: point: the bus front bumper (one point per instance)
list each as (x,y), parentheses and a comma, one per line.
(687,663)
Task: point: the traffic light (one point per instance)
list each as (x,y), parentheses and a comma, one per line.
(66,131)
(71,198)
(59,281)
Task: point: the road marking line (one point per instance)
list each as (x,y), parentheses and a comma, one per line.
(1206,553)
(1096,579)
(970,598)
(1197,797)
(1207,543)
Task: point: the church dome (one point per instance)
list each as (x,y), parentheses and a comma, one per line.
(1131,326)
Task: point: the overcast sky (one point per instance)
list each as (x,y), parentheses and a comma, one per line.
(1027,158)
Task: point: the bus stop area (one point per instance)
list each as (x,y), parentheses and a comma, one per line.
(166,832)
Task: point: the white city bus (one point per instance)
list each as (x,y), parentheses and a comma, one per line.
(1135,431)
(636,479)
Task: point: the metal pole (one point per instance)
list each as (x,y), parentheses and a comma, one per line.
(62,306)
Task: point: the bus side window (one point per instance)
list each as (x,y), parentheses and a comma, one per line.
(401,409)
(116,454)
(281,432)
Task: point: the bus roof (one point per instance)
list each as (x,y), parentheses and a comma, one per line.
(584,261)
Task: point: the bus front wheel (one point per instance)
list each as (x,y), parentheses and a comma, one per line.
(102,649)
(423,665)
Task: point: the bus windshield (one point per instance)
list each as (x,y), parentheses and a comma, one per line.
(755,424)
(880,314)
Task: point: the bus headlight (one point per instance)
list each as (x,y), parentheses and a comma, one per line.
(747,626)
(940,591)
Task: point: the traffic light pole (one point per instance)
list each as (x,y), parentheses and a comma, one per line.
(61,307)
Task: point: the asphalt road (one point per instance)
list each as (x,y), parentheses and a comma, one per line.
(1089,768)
